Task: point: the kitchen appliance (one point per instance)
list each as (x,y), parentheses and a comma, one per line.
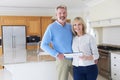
(33,38)
(14,43)
(104,64)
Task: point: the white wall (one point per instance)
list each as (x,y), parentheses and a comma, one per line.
(109,9)
(105,10)
(98,33)
(111,35)
(107,35)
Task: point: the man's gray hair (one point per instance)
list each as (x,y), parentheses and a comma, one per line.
(61,6)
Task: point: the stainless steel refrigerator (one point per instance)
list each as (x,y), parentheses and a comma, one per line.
(14,43)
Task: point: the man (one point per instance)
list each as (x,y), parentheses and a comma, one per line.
(59,33)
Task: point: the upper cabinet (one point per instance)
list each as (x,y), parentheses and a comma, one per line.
(36,25)
(68,20)
(106,23)
(13,20)
(45,22)
(33,25)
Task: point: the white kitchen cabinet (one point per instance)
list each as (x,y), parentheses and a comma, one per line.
(105,23)
(115,65)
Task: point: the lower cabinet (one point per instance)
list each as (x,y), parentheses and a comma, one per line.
(115,65)
(104,64)
(32,47)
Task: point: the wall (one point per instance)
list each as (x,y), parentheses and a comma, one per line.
(104,13)
(111,35)
(107,35)
(98,33)
(105,10)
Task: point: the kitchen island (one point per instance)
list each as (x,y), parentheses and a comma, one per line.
(31,67)
(33,71)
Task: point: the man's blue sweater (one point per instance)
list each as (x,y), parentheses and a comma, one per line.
(60,37)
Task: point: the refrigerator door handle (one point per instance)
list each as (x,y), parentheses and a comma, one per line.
(12,41)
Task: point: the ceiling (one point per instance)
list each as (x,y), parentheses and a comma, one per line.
(47,4)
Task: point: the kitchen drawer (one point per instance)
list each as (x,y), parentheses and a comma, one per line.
(115,74)
(115,58)
(115,66)
(115,70)
(115,78)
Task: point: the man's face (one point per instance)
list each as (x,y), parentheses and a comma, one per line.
(61,15)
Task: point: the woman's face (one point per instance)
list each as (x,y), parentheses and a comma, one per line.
(78,27)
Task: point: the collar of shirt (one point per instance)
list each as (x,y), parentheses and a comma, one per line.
(59,23)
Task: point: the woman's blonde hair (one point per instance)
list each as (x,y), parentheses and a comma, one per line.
(80,19)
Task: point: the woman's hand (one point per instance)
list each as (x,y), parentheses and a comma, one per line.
(86,57)
(96,61)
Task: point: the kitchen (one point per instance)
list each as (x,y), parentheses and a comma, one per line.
(104,18)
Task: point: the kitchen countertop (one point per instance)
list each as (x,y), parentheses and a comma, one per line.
(109,44)
(108,48)
(30,56)
(108,51)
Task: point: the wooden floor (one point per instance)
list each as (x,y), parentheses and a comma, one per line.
(101,78)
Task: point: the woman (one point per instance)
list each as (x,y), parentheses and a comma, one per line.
(84,66)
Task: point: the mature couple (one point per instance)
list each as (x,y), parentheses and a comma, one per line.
(69,39)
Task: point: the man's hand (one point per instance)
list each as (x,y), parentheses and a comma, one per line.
(60,56)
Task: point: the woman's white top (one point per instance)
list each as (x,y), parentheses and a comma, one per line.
(87,45)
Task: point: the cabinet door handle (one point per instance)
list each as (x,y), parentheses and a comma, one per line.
(115,74)
(114,64)
(114,57)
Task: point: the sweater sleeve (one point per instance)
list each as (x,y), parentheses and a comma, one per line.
(47,38)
